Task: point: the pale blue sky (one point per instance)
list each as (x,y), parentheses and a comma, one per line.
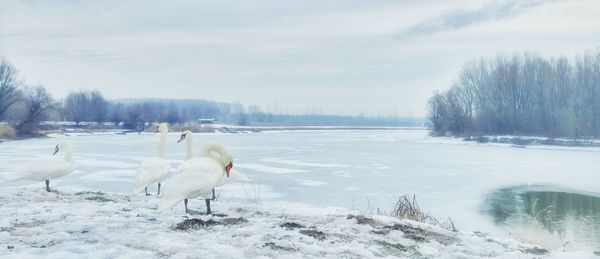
(344,57)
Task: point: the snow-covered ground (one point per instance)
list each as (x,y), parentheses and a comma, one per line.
(34,223)
(352,169)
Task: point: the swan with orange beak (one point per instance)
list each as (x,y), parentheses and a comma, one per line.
(197,177)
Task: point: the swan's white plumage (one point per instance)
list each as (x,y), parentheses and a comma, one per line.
(45,169)
(198,178)
(154,169)
(51,167)
(183,166)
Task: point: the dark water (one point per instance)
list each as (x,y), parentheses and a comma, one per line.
(573,216)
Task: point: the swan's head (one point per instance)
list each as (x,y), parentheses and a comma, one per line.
(63,145)
(228,163)
(184,135)
(162,128)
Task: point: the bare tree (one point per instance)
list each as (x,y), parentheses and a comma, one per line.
(37,101)
(98,107)
(173,116)
(117,113)
(77,106)
(525,94)
(133,117)
(8,86)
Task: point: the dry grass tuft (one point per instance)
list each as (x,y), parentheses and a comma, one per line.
(408,208)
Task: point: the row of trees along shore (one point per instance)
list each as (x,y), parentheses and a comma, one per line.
(23,107)
(522,95)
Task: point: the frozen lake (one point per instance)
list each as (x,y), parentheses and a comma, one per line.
(365,170)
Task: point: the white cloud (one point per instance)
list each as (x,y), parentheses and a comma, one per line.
(335,56)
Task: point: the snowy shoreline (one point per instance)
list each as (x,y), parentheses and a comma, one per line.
(34,223)
(213,129)
(534,141)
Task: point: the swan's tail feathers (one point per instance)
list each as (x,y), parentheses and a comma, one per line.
(164,204)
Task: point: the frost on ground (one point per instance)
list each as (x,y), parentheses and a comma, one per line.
(34,223)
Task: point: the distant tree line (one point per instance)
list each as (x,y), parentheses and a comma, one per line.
(524,94)
(24,107)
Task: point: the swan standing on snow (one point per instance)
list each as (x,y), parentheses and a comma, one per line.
(50,168)
(198,177)
(156,169)
(188,137)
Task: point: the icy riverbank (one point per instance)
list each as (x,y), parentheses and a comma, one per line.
(34,223)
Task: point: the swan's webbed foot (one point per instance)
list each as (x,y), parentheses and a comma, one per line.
(48,185)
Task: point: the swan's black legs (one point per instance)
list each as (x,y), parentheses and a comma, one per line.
(158,193)
(185,203)
(146,190)
(48,185)
(208,212)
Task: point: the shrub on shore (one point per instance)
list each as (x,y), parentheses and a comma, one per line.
(7,132)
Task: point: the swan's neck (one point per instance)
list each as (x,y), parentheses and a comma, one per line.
(162,144)
(207,151)
(215,158)
(190,147)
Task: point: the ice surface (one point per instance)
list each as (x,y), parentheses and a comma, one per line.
(268,169)
(351,169)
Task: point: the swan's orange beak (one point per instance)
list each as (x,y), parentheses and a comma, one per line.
(228,169)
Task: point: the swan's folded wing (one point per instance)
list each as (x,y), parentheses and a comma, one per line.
(43,169)
(199,178)
(183,166)
(152,170)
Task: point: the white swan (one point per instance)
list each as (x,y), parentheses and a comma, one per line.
(155,169)
(198,177)
(50,168)
(189,139)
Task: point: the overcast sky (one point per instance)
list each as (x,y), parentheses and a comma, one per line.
(343,57)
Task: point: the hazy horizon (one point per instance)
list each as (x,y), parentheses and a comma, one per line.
(335,57)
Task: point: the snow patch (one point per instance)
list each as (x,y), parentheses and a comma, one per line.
(38,224)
